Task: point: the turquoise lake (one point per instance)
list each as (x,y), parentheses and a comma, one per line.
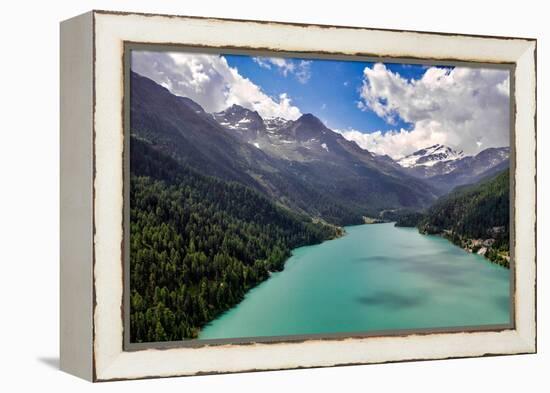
(376,277)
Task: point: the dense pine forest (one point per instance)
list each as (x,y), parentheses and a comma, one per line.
(199,243)
(408,219)
(475,217)
(219,200)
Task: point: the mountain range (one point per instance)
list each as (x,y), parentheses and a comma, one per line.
(445,168)
(440,166)
(218,201)
(299,164)
(430,156)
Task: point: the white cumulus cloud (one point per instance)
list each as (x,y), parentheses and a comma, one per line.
(464,107)
(396,143)
(301,69)
(210,81)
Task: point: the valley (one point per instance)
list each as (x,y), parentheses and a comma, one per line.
(220,201)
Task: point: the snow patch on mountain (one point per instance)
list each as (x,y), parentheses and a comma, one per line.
(239,118)
(430,156)
(275,123)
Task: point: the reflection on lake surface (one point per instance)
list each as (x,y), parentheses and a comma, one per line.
(377,277)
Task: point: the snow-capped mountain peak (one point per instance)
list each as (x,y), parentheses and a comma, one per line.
(275,123)
(430,156)
(237,117)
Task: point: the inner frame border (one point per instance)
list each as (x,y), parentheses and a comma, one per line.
(129,46)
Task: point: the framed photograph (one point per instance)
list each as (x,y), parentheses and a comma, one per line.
(247,195)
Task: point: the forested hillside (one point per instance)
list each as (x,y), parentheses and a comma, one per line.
(476,217)
(303,165)
(218,201)
(199,243)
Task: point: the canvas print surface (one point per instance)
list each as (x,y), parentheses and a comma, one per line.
(280,197)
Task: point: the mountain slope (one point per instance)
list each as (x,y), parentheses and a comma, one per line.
(199,243)
(475,217)
(321,157)
(471,169)
(178,127)
(445,169)
(300,164)
(245,123)
(430,156)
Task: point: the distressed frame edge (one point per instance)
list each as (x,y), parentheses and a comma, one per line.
(526,124)
(76,196)
(305,24)
(527,340)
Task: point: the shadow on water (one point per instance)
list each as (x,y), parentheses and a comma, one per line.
(448,274)
(392,300)
(377,258)
(408,259)
(432,266)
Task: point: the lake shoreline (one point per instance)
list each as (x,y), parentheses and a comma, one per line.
(469,245)
(340,232)
(473,246)
(376,277)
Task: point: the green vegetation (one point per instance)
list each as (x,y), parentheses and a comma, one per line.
(409,219)
(340,186)
(211,215)
(199,243)
(475,217)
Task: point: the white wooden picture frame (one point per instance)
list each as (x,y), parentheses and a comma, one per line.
(92,194)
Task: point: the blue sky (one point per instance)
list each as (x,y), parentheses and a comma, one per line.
(386,108)
(331,93)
